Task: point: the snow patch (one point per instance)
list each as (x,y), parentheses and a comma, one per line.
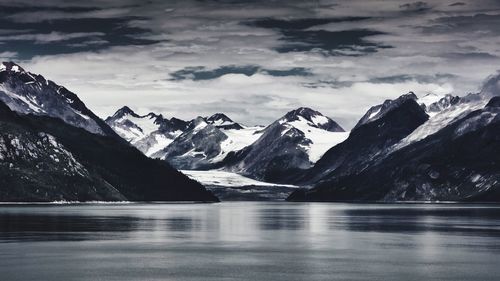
(438,122)
(237,140)
(322,140)
(223,178)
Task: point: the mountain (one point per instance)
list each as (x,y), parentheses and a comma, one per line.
(459,162)
(376,132)
(450,156)
(206,142)
(289,145)
(149,133)
(47,154)
(29,93)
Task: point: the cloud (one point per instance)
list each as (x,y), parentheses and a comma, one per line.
(419,6)
(457,4)
(8,56)
(69,35)
(298,36)
(491,86)
(201,73)
(401,78)
(256,59)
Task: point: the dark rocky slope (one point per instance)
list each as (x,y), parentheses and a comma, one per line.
(380,128)
(44,159)
(461,162)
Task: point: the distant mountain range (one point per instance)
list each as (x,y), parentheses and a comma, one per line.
(432,148)
(293,142)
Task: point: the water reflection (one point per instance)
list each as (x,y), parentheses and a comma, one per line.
(250,241)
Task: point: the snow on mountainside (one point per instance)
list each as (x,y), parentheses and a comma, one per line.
(237,140)
(322,131)
(443,111)
(207,141)
(149,133)
(458,162)
(378,130)
(321,139)
(440,120)
(28,93)
(293,142)
(47,154)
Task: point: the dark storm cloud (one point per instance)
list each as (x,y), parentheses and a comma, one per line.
(296,71)
(457,4)
(419,6)
(301,24)
(50,30)
(299,35)
(332,83)
(201,73)
(103,33)
(7,10)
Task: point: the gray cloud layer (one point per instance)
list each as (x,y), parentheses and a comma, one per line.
(253,59)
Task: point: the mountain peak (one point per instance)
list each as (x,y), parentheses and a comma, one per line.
(222,121)
(378,111)
(29,93)
(10,66)
(315,118)
(125,110)
(219,117)
(305,112)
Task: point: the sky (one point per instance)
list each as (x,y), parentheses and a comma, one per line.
(253,60)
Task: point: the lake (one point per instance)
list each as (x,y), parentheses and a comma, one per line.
(250,241)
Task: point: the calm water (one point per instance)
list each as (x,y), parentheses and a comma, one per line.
(250,241)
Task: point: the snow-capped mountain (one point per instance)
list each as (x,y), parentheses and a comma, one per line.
(149,133)
(207,141)
(293,142)
(378,130)
(48,153)
(452,155)
(29,93)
